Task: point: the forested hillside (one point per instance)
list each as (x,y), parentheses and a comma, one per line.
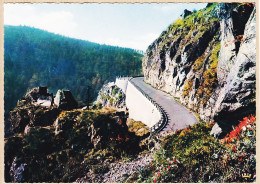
(34,57)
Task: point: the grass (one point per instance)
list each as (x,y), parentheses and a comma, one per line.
(137,127)
(192,155)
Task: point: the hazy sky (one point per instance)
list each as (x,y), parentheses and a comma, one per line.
(126,25)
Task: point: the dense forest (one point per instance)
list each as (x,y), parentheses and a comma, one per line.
(34,57)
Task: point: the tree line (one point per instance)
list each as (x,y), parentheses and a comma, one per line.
(34,57)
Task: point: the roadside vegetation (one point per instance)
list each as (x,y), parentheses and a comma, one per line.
(192,155)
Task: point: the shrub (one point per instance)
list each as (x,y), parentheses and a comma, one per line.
(192,155)
(188,87)
(210,81)
(198,63)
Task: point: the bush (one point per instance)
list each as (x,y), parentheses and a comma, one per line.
(188,87)
(210,81)
(192,155)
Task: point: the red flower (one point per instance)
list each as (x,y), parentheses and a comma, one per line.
(252,118)
(174,160)
(119,138)
(159,174)
(164,169)
(242,123)
(154,180)
(232,135)
(168,167)
(237,130)
(245,119)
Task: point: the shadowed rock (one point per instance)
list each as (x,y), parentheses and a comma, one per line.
(64,100)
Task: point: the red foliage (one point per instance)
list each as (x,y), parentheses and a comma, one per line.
(234,134)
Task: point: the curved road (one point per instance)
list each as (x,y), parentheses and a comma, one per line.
(178,116)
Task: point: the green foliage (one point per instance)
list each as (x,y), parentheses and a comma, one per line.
(38,58)
(185,143)
(39,141)
(210,81)
(188,87)
(111,100)
(198,63)
(138,127)
(192,155)
(198,21)
(115,91)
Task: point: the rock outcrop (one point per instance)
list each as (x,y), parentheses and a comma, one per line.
(65,100)
(16,171)
(39,108)
(38,96)
(111,95)
(207,59)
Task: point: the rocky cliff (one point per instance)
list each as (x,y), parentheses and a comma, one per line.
(64,143)
(39,108)
(110,95)
(207,59)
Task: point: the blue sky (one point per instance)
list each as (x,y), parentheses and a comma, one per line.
(126,25)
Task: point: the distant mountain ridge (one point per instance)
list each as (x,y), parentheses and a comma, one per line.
(34,57)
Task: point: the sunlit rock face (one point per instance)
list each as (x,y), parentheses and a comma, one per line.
(111,95)
(208,59)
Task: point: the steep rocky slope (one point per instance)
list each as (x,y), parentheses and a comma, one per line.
(65,143)
(110,95)
(207,59)
(39,108)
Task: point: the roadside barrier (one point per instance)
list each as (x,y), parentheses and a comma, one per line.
(163,120)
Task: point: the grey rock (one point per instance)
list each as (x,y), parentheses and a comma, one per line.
(29,112)
(17,170)
(216,130)
(35,95)
(186,13)
(168,64)
(111,95)
(238,92)
(65,100)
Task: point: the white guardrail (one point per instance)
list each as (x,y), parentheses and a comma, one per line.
(163,120)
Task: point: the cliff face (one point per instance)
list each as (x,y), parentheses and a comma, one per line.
(110,95)
(207,59)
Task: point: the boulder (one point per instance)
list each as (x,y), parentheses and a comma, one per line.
(64,100)
(216,130)
(32,115)
(186,13)
(16,171)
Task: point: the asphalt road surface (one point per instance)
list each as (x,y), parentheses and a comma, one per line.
(179,116)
